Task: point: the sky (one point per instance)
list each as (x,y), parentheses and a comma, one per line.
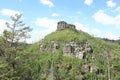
(99,18)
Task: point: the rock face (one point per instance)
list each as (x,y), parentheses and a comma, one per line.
(71,48)
(63,25)
(55,46)
(79,51)
(93,69)
(52,46)
(87,47)
(42,48)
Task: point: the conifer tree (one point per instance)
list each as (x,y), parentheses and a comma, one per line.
(15,35)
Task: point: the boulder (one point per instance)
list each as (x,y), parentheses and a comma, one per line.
(80,54)
(93,69)
(85,68)
(42,48)
(68,50)
(55,47)
(87,47)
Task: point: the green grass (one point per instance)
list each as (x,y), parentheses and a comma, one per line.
(99,46)
(65,36)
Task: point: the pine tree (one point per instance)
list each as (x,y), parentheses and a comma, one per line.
(15,35)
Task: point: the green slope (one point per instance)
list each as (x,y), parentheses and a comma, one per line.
(68,35)
(70,67)
(47,65)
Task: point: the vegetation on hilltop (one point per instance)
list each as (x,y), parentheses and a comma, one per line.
(101,49)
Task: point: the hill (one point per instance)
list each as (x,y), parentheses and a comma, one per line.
(70,54)
(67,54)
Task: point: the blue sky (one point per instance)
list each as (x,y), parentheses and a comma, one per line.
(100,18)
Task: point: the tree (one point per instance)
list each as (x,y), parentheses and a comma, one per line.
(15,34)
(18,30)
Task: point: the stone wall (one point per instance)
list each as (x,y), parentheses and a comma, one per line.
(63,25)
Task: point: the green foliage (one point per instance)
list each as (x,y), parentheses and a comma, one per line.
(10,47)
(66,36)
(99,47)
(32,64)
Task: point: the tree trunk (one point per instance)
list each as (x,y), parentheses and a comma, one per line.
(108,64)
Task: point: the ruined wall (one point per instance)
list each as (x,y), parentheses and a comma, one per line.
(63,25)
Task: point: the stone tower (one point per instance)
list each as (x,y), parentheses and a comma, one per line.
(63,25)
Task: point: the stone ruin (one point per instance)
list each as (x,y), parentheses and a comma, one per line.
(63,25)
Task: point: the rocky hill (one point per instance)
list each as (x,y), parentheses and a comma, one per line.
(80,55)
(66,54)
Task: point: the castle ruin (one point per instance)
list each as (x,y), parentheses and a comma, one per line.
(63,25)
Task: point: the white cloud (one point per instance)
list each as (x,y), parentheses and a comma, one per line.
(9,12)
(55,15)
(41,34)
(2,25)
(47,2)
(80,26)
(47,23)
(110,35)
(96,32)
(110,3)
(88,2)
(103,18)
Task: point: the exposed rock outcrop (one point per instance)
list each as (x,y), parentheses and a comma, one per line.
(87,47)
(93,69)
(71,48)
(42,48)
(79,51)
(52,46)
(55,46)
